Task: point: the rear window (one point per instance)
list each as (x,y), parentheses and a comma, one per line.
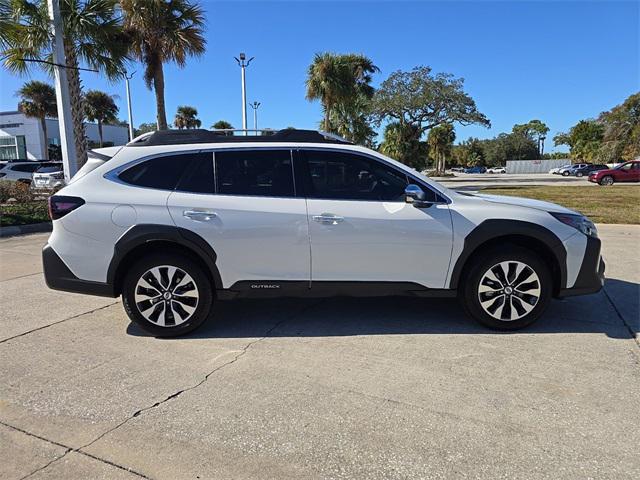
(266,173)
(49,169)
(161,172)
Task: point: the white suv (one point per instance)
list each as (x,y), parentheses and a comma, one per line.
(179,219)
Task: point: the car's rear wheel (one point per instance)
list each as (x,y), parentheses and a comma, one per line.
(579,174)
(606,180)
(507,289)
(565,174)
(167,295)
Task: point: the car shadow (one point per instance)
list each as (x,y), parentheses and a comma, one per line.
(347,316)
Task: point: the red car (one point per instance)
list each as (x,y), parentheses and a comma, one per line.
(627,172)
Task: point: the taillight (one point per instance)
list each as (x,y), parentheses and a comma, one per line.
(58,176)
(60,205)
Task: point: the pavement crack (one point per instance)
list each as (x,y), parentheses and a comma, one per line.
(621,317)
(176,394)
(20,276)
(68,450)
(56,323)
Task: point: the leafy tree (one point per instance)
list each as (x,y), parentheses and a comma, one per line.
(100,107)
(424,101)
(402,143)
(145,128)
(222,125)
(469,153)
(38,100)
(163,31)
(440,141)
(535,130)
(621,139)
(186,117)
(584,139)
(339,81)
(352,121)
(92,37)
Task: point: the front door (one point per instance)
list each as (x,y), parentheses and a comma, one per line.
(362,230)
(249,214)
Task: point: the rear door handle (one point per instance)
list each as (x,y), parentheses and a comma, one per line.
(328,219)
(199,215)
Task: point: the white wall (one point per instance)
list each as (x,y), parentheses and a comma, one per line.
(111,133)
(29,127)
(535,166)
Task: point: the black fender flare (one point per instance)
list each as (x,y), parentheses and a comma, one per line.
(495,228)
(147,233)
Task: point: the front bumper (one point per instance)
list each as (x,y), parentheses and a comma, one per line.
(591,275)
(58,277)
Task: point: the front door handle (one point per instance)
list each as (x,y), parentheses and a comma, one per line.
(328,219)
(199,215)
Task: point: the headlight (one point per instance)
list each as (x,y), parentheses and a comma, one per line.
(579,222)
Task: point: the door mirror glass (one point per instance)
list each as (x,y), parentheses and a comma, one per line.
(416,196)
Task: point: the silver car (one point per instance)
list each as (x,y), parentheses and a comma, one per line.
(49,177)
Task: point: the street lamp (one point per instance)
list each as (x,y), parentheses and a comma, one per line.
(243,63)
(127,78)
(255,106)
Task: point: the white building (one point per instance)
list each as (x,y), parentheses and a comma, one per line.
(22,138)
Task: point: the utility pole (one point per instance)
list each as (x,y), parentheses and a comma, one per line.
(127,78)
(255,106)
(243,64)
(67,141)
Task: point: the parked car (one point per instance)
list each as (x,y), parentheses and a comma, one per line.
(497,170)
(570,170)
(177,220)
(475,170)
(457,169)
(627,172)
(586,170)
(47,178)
(21,171)
(556,170)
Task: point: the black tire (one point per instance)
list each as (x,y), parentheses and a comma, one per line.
(183,315)
(579,174)
(511,254)
(565,174)
(607,180)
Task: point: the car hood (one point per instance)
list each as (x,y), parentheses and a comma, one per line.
(525,202)
(607,171)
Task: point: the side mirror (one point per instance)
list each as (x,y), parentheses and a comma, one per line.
(415,195)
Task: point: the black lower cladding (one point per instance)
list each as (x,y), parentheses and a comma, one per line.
(591,275)
(59,277)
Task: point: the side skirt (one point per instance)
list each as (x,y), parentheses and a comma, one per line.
(287,288)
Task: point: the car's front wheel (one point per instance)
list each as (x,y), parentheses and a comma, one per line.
(579,174)
(606,180)
(167,295)
(508,288)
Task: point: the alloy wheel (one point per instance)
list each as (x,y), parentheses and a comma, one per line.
(509,290)
(166,296)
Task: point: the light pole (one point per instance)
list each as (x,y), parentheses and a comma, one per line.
(127,78)
(243,65)
(63,98)
(255,106)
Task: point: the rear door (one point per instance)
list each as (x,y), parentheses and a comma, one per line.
(243,202)
(361,228)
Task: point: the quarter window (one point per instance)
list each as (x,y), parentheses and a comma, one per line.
(266,173)
(345,176)
(160,172)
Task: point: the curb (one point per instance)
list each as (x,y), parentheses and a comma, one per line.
(25,229)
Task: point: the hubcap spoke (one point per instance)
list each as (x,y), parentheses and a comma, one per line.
(166,296)
(509,290)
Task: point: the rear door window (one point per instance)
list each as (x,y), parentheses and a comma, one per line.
(162,173)
(199,176)
(264,173)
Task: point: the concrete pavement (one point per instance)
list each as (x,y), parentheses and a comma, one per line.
(335,388)
(478,181)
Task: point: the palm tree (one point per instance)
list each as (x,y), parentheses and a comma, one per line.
(222,125)
(162,31)
(440,142)
(186,117)
(38,100)
(92,36)
(402,142)
(100,107)
(338,80)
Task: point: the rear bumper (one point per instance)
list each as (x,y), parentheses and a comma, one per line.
(59,277)
(591,275)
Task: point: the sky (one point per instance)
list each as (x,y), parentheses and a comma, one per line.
(557,61)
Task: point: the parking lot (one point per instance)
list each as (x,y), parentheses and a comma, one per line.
(333,388)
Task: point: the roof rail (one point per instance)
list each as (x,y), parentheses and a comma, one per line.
(187,136)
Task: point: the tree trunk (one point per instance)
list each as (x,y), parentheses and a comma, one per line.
(158,87)
(100,131)
(77,113)
(43,122)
